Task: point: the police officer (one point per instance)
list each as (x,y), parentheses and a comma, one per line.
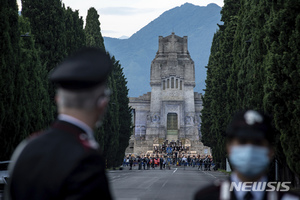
(64,162)
(249,146)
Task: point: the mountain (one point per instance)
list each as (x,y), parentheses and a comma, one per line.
(123,37)
(199,23)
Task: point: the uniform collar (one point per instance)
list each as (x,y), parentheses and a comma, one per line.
(78,123)
(240,194)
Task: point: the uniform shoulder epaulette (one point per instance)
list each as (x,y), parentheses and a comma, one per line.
(87,142)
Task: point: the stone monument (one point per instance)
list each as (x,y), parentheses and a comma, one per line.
(171,111)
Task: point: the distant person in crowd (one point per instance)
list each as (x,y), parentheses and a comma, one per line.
(130,162)
(64,161)
(124,161)
(189,160)
(184,161)
(144,162)
(200,163)
(148,162)
(164,162)
(152,162)
(249,146)
(161,162)
(194,161)
(209,161)
(139,162)
(205,163)
(169,162)
(156,162)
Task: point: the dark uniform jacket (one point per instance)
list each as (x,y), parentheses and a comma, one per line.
(213,192)
(58,164)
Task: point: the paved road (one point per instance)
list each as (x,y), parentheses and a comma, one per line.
(173,184)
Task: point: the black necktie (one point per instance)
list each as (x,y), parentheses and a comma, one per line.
(248,196)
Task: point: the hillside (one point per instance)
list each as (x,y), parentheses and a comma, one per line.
(136,53)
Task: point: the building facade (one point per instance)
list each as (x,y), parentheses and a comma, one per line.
(171,111)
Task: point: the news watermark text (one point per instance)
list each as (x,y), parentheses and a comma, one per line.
(260,186)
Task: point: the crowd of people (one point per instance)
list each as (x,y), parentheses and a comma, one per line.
(204,163)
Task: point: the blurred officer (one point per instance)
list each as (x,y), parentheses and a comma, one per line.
(249,146)
(63,162)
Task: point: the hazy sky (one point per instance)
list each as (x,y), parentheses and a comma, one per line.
(125,17)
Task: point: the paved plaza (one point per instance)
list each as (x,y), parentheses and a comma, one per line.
(176,183)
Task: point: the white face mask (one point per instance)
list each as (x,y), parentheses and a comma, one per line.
(249,160)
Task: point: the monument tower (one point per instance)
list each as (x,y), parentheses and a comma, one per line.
(171,111)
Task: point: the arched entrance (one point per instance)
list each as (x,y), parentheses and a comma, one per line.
(172,127)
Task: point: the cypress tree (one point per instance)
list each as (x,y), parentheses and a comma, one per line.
(47,22)
(243,63)
(113,124)
(208,137)
(213,111)
(249,51)
(114,134)
(92,29)
(282,69)
(124,112)
(9,54)
(259,44)
(32,85)
(220,96)
(108,134)
(75,36)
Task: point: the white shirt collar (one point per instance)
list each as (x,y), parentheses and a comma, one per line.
(240,194)
(77,122)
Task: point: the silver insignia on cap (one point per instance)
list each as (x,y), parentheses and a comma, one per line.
(252,116)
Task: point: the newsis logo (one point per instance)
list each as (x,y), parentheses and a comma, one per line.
(260,186)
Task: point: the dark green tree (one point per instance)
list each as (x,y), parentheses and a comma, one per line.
(75,36)
(282,73)
(219,95)
(92,29)
(209,124)
(9,54)
(47,20)
(249,51)
(32,85)
(114,134)
(108,134)
(124,116)
(256,52)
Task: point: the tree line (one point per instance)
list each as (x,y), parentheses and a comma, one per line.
(32,44)
(255,64)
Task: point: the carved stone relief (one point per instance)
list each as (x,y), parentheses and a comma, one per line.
(189,120)
(154,118)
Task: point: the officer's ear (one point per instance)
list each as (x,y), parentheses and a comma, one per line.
(228,144)
(102,104)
